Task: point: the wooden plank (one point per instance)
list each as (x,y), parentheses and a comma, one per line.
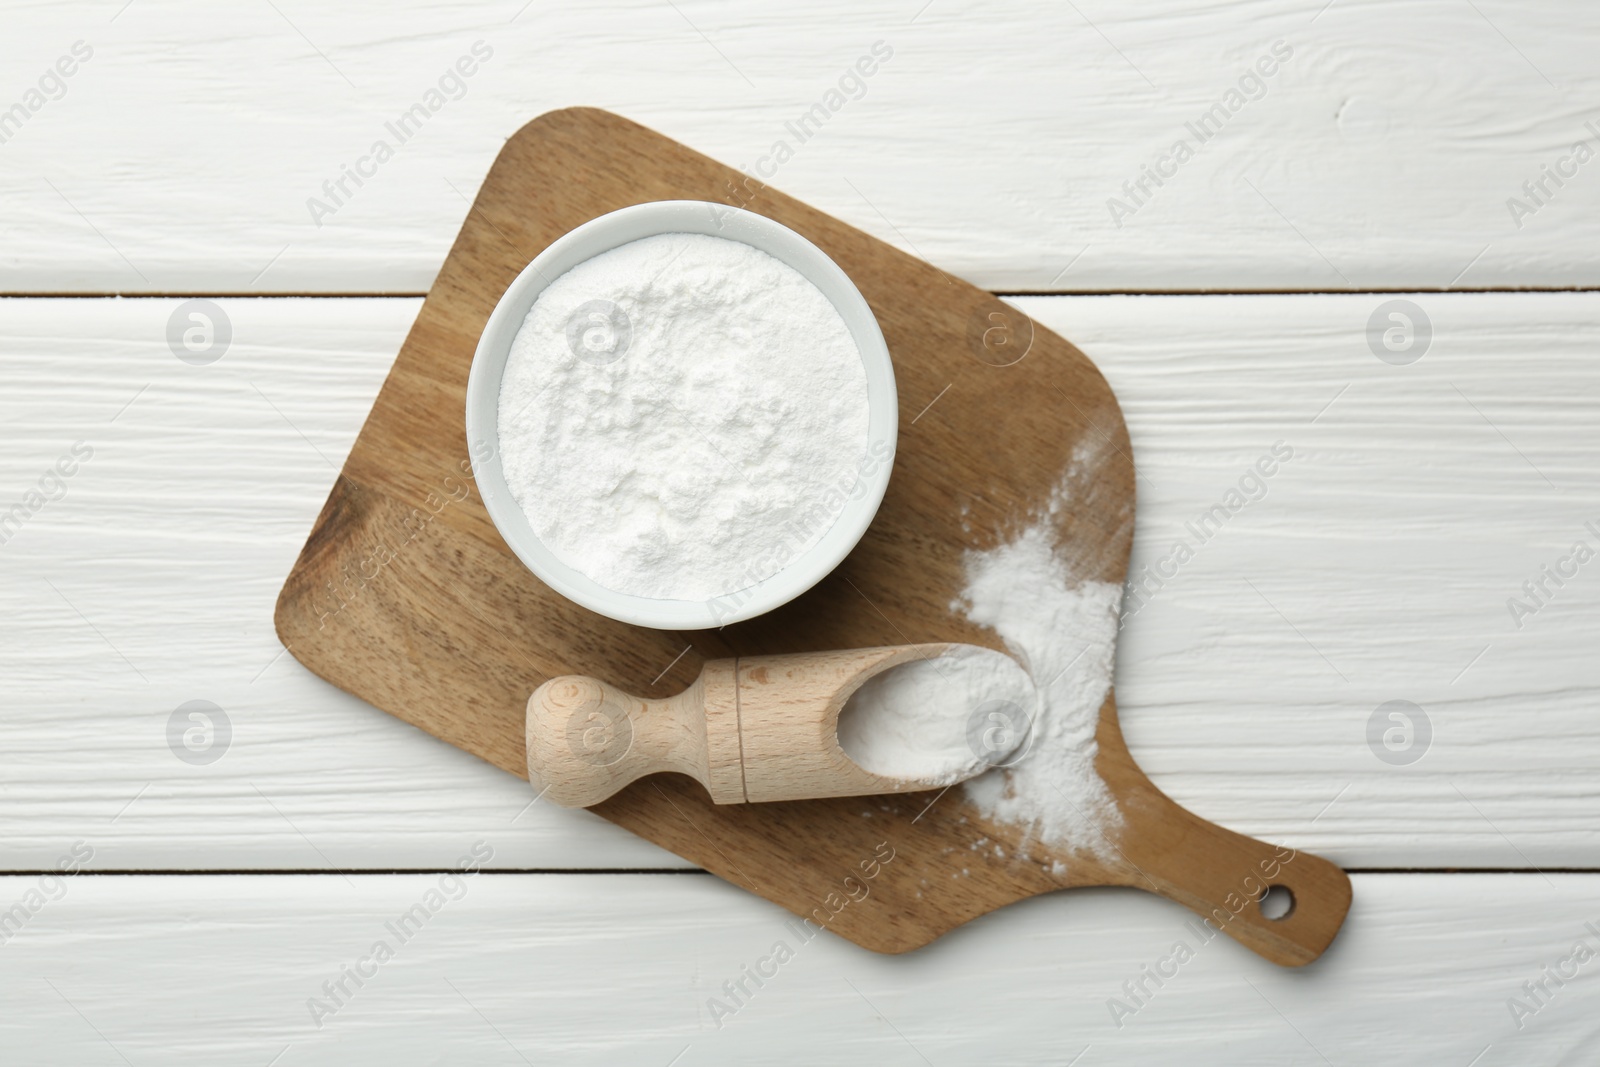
(1383,153)
(631,969)
(190,604)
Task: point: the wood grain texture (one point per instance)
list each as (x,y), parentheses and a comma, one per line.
(1382,154)
(627,969)
(1222,701)
(453,645)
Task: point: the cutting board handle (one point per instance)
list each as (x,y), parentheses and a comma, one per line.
(1226,878)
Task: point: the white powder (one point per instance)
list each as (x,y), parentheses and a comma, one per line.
(681,416)
(942,719)
(1064,632)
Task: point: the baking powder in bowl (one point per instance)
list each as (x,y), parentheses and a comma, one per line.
(681,416)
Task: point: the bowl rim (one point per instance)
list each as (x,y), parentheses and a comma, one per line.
(611,230)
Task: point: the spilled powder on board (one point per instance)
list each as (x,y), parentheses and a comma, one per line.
(1063,630)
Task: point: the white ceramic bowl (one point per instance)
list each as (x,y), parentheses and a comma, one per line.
(601,235)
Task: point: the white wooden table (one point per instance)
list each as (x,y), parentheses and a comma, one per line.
(227,904)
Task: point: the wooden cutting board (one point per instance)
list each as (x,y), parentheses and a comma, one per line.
(406,596)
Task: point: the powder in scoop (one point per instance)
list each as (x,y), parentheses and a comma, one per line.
(1064,631)
(681,416)
(940,719)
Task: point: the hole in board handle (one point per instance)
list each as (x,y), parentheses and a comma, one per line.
(1277,903)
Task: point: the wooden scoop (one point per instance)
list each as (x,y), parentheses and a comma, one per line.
(754,728)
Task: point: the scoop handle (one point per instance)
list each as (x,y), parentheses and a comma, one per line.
(586,739)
